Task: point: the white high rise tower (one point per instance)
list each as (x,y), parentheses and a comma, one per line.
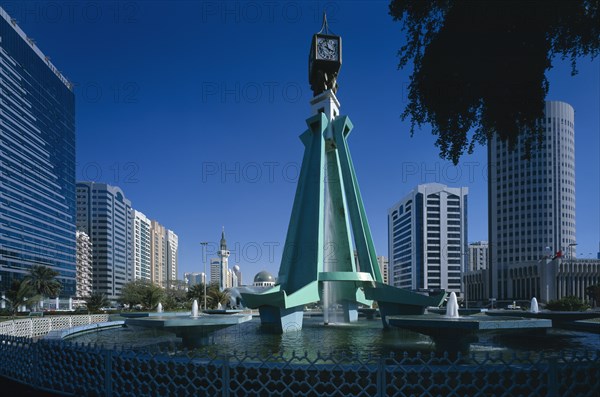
(532,202)
(142,254)
(427,232)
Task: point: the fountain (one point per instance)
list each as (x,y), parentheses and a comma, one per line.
(452,306)
(341,281)
(195,329)
(452,332)
(328,222)
(560,319)
(194,309)
(533,308)
(159,308)
(327,225)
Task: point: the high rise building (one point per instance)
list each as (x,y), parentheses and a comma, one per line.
(427,234)
(164,245)
(142,253)
(229,279)
(531,203)
(84,265)
(37,162)
(158,259)
(238,275)
(105,215)
(172,250)
(215,271)
(194,278)
(478,255)
(233,280)
(383,263)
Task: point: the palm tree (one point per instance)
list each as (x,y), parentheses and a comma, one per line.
(593,293)
(151,296)
(95,301)
(216,297)
(44,282)
(141,292)
(196,291)
(174,299)
(21,293)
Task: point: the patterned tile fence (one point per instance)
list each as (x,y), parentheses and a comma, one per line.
(38,326)
(90,370)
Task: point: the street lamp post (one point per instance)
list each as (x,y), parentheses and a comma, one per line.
(204,244)
(571,282)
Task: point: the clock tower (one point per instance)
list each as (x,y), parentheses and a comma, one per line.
(324,60)
(328,222)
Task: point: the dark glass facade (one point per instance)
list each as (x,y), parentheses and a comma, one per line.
(37,163)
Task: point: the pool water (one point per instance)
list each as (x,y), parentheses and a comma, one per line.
(366,338)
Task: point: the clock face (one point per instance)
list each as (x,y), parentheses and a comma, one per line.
(327,49)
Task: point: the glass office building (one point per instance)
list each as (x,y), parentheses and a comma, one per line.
(37,162)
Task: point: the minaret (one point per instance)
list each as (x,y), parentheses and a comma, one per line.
(224,258)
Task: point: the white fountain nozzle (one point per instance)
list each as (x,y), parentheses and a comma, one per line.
(534,308)
(452,306)
(195,308)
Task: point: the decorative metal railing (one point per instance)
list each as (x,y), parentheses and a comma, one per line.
(38,326)
(90,370)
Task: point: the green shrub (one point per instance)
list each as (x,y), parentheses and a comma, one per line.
(568,304)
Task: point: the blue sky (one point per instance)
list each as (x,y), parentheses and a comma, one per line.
(194,110)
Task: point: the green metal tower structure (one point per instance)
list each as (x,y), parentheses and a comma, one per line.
(328,221)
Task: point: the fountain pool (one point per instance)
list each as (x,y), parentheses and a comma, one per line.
(364,338)
(195,330)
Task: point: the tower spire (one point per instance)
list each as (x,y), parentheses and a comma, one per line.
(324,26)
(223,241)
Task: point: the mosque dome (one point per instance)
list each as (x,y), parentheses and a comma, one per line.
(264,279)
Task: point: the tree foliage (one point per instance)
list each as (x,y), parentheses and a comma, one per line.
(214,295)
(568,303)
(43,280)
(175,299)
(196,291)
(593,293)
(480,65)
(141,292)
(218,297)
(96,301)
(21,293)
